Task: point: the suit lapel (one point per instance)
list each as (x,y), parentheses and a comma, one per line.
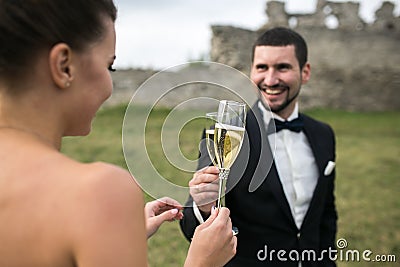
(314,140)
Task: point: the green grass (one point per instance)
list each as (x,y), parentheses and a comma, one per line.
(367,184)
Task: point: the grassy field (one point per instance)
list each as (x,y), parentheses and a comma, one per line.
(367,185)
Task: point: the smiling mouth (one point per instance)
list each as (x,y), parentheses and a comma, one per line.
(274,90)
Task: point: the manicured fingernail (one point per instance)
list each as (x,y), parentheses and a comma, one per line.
(174,211)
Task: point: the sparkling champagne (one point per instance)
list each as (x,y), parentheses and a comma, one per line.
(228,141)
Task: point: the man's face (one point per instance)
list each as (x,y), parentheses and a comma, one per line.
(277,74)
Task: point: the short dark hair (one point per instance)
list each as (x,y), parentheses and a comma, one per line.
(281,36)
(30,26)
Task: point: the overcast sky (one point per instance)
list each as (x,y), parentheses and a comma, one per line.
(163,33)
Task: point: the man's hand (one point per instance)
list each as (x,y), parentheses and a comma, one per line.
(204,188)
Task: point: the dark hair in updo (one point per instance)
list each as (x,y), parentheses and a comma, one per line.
(30,26)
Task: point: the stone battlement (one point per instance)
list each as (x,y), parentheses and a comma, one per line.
(343,16)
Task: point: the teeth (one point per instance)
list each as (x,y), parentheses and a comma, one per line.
(273,92)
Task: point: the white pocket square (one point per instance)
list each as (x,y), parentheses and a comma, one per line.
(329,168)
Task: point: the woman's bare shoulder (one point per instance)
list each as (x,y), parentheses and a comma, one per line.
(102,180)
(91,179)
(107,217)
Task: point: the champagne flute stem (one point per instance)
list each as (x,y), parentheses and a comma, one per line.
(223,177)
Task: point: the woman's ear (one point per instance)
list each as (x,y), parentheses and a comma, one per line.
(60,65)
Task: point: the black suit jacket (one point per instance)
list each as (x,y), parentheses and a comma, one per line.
(260,209)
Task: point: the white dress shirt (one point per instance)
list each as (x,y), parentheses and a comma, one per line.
(295,164)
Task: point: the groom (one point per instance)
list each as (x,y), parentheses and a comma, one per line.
(281,187)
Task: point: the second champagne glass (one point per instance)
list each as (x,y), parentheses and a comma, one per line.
(211,120)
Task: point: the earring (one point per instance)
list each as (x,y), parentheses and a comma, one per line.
(67,84)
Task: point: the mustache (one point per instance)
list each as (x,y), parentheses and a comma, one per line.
(264,87)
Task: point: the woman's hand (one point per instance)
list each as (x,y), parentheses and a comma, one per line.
(161,210)
(213,242)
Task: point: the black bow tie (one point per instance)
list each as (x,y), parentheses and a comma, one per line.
(295,125)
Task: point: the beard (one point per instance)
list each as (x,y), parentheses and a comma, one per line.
(287,102)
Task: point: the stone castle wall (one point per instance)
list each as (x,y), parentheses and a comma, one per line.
(355,66)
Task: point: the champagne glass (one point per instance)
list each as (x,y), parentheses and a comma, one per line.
(211,120)
(228,139)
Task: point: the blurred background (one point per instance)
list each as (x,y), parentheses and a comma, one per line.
(353,46)
(157,34)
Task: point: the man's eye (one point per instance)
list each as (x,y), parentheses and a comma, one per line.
(261,67)
(284,67)
(110,68)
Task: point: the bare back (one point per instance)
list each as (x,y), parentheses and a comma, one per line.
(58,212)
